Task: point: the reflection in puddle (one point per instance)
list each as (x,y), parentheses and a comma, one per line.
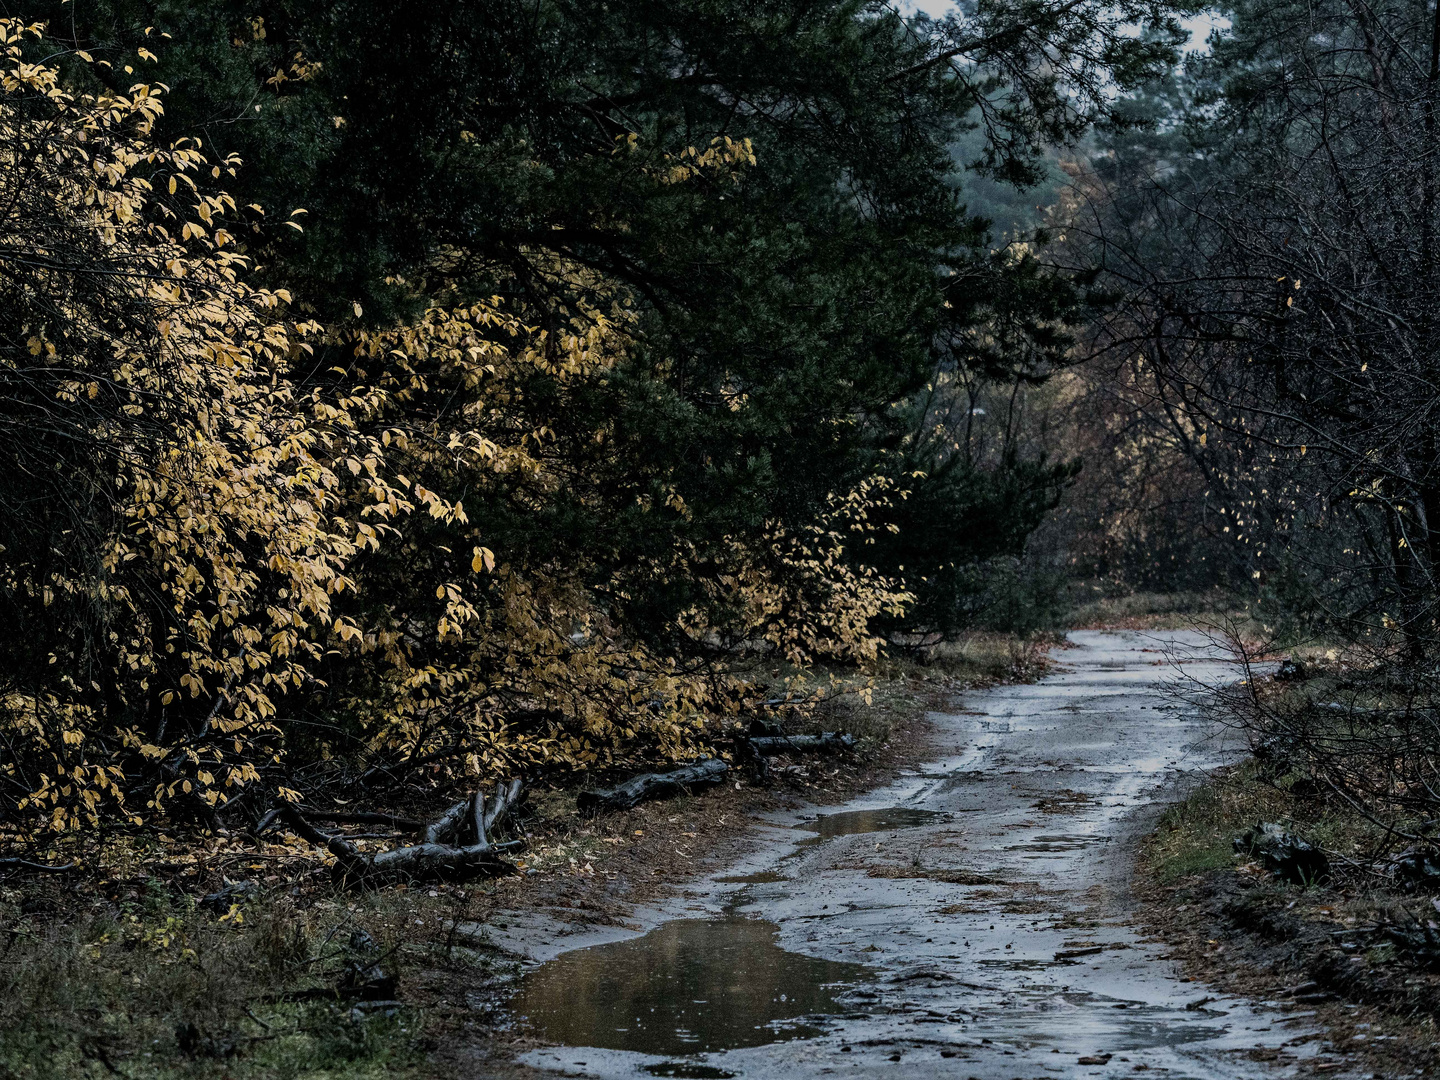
(689,1070)
(689,986)
(1016,965)
(764,877)
(868,821)
(1059,843)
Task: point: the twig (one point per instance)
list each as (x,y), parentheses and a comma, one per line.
(28,865)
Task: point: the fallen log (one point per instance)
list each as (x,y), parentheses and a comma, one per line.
(653,785)
(829,741)
(457,844)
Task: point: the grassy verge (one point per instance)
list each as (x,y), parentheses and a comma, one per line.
(1322,948)
(143,982)
(1214,610)
(119,970)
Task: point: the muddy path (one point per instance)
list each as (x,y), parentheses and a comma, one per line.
(968,921)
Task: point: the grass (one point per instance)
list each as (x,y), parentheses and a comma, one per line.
(903,686)
(1213,610)
(1196,834)
(150,985)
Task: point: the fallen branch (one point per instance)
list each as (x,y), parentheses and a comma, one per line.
(28,865)
(447,825)
(467,823)
(829,741)
(653,785)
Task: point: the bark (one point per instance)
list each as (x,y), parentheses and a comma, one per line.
(447,825)
(654,785)
(468,855)
(828,741)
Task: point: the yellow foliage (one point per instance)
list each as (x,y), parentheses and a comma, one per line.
(240,550)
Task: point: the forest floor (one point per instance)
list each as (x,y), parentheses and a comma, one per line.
(123,970)
(1319,948)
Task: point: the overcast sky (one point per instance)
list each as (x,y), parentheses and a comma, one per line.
(1198,25)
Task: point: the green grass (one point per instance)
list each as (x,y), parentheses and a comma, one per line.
(290,1042)
(1196,834)
(153,987)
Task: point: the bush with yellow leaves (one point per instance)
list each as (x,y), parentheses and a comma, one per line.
(211,553)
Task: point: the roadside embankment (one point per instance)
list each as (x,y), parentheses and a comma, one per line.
(1355,942)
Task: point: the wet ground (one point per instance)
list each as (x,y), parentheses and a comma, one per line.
(969,921)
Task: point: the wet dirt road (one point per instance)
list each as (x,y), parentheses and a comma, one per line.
(969,921)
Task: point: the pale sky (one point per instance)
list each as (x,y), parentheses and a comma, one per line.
(1198,25)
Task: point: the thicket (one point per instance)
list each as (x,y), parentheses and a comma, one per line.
(1265,217)
(1268,219)
(397,397)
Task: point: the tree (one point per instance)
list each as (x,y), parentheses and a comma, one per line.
(1276,243)
(484,147)
(620,315)
(195,542)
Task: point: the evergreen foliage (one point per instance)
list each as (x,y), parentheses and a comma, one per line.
(470,388)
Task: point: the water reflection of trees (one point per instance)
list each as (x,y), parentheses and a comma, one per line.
(690,985)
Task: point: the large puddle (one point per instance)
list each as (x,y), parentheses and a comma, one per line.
(689,986)
(869,821)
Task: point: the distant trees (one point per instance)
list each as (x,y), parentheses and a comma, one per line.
(1272,229)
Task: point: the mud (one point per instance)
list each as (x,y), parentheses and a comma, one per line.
(884,819)
(993,935)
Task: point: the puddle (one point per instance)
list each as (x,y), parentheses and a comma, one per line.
(688,986)
(868,821)
(764,877)
(689,1070)
(1016,964)
(1059,843)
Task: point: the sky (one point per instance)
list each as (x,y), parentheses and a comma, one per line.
(1198,25)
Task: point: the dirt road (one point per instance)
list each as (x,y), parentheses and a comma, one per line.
(969,921)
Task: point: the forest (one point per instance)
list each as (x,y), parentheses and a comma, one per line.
(401,403)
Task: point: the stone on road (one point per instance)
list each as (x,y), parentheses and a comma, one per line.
(969,921)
